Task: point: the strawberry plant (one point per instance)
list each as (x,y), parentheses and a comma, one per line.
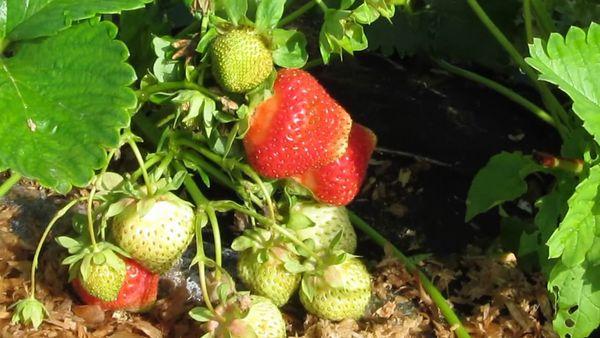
(226,100)
(562,234)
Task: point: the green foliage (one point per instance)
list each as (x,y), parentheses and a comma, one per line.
(290,48)
(21,20)
(268,14)
(566,63)
(447,29)
(577,297)
(501,180)
(575,235)
(64,100)
(340,32)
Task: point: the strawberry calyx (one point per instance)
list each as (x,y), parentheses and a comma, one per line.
(325,226)
(265,247)
(99,267)
(326,272)
(241,316)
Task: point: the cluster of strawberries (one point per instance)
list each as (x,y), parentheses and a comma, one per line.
(302,133)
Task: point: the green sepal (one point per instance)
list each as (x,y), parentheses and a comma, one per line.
(28,311)
(201,314)
(307,287)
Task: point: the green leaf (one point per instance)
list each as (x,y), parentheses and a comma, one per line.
(63,101)
(242,243)
(30,19)
(339,33)
(206,39)
(551,209)
(107,181)
(365,14)
(223,291)
(576,232)
(570,63)
(293,266)
(501,180)
(268,13)
(290,48)
(197,105)
(235,9)
(298,221)
(68,242)
(165,68)
(201,314)
(577,294)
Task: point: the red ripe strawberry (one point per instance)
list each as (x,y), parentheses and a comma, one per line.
(299,128)
(338,183)
(137,294)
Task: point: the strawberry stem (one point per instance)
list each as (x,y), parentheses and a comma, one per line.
(60,213)
(507,92)
(268,222)
(527,18)
(140,160)
(90,220)
(202,266)
(556,109)
(144,94)
(226,164)
(214,223)
(209,169)
(429,287)
(297,13)
(571,165)
(323,6)
(9,183)
(201,200)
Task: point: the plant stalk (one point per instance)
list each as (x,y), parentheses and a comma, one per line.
(268,222)
(429,287)
(223,164)
(527,18)
(212,171)
(144,94)
(202,267)
(60,213)
(9,183)
(297,13)
(549,99)
(214,223)
(543,17)
(507,92)
(140,160)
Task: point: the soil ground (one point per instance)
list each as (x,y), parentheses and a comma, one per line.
(434,133)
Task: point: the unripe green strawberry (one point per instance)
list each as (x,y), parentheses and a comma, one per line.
(155,231)
(240,60)
(265,318)
(243,316)
(104,281)
(270,278)
(340,291)
(328,221)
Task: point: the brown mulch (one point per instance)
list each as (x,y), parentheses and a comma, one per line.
(495,298)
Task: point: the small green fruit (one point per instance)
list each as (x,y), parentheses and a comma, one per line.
(104,281)
(240,60)
(270,278)
(155,231)
(328,221)
(265,319)
(342,291)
